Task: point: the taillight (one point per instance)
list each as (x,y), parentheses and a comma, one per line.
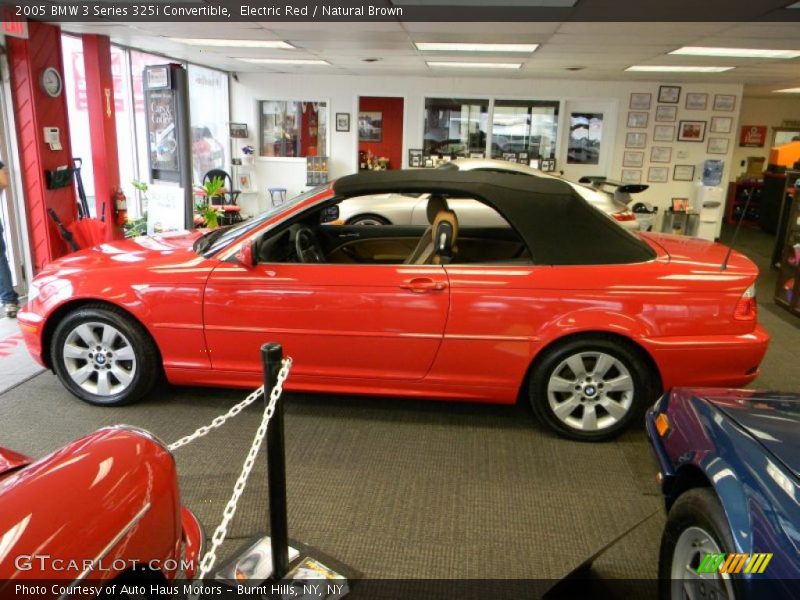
(625,216)
(746,308)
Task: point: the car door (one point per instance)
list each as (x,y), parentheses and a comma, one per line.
(351,321)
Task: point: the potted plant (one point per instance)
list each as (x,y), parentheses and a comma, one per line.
(205,208)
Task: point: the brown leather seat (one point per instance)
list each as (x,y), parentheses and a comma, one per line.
(444,220)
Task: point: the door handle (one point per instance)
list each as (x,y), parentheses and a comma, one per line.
(422,285)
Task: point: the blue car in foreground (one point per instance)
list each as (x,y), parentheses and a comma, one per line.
(730,475)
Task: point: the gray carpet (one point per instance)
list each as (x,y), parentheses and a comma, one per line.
(408,489)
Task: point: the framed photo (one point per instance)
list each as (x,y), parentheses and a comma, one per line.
(428,162)
(534,163)
(510,156)
(414,157)
(634,139)
(640,101)
(680,205)
(631,176)
(724,102)
(658,174)
(342,121)
(718,145)
(721,124)
(245,182)
(660,154)
(664,133)
(238,130)
(522,157)
(691,131)
(477,155)
(683,173)
(370,126)
(695,101)
(632,159)
(666,114)
(637,120)
(669,94)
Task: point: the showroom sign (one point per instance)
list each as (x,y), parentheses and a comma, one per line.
(753,136)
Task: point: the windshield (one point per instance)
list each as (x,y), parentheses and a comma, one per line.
(215,240)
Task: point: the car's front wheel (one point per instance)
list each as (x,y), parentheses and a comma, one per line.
(696,527)
(368,219)
(590,388)
(103,356)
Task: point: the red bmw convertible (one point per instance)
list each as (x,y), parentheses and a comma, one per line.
(555,303)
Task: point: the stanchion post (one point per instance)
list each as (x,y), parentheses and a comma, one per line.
(271,357)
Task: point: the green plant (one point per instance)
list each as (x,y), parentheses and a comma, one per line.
(211,188)
(136,226)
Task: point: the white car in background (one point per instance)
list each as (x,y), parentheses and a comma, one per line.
(385,209)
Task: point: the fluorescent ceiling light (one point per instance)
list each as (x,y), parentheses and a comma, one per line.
(735,52)
(677,69)
(788,91)
(274,44)
(284,61)
(467,47)
(472,65)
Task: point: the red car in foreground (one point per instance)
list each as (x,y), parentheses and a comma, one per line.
(561,305)
(101,510)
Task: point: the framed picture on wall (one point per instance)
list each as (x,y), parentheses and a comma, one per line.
(680,205)
(691,131)
(632,159)
(637,119)
(631,176)
(664,133)
(238,130)
(683,173)
(343,122)
(669,94)
(695,101)
(666,114)
(370,126)
(721,124)
(724,102)
(660,154)
(414,158)
(658,174)
(718,145)
(634,139)
(640,101)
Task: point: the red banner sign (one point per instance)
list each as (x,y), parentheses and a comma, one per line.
(753,136)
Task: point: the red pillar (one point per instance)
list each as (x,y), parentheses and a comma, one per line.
(34,110)
(102,126)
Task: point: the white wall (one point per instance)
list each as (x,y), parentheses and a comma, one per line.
(342,94)
(763,111)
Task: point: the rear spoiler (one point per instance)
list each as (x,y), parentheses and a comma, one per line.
(598,182)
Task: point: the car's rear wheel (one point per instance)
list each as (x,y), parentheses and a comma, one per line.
(590,388)
(103,356)
(368,220)
(696,526)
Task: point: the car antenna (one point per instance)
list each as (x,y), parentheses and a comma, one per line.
(724,264)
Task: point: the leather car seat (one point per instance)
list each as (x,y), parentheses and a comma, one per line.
(445,234)
(437,211)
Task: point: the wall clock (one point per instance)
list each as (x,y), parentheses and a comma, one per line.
(51,82)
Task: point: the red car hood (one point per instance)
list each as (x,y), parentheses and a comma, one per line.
(152,250)
(699,254)
(10,460)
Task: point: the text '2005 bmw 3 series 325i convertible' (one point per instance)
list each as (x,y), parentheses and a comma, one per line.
(551,301)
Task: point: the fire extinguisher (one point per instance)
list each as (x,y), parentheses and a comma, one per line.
(120,206)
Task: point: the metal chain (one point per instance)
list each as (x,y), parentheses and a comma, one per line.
(221,531)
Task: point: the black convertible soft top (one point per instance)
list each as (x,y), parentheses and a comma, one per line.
(557,224)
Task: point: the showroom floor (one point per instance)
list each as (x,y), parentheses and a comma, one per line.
(409,489)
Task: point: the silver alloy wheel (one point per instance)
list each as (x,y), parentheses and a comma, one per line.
(687,584)
(99,358)
(590,391)
(368,221)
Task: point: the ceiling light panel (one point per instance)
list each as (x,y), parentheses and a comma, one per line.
(677,69)
(283,61)
(735,52)
(471,65)
(788,91)
(468,47)
(273,44)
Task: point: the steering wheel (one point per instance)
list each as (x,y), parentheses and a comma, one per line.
(307,246)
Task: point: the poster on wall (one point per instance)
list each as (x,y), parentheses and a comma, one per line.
(370,126)
(753,136)
(161,130)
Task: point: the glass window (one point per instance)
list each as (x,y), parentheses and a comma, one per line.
(525,126)
(293,128)
(585,135)
(209,116)
(455,126)
(78,111)
(126,138)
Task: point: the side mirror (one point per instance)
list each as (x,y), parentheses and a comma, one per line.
(329,214)
(246,256)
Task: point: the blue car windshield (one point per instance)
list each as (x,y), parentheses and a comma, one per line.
(215,240)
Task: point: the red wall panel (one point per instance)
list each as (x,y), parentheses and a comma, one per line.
(33,111)
(391,145)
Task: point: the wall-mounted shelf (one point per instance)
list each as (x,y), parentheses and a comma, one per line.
(737,200)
